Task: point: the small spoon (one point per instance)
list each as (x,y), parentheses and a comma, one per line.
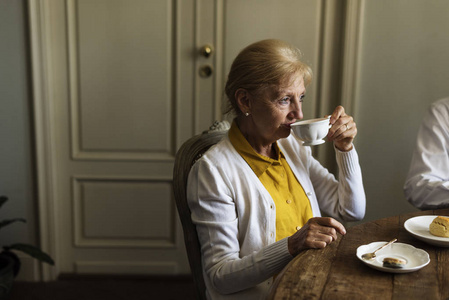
(370,256)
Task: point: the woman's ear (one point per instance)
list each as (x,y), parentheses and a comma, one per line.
(242,98)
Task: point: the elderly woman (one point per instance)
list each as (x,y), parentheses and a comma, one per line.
(257,196)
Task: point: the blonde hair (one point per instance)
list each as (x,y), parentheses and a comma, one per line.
(261,65)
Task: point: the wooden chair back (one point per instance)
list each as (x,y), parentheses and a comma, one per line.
(186,156)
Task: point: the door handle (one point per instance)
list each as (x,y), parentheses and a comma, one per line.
(207,50)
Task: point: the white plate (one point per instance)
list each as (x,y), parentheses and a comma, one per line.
(419,228)
(415,258)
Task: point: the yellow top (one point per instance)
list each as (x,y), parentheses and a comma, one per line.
(293,208)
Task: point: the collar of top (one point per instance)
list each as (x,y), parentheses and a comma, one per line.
(258,163)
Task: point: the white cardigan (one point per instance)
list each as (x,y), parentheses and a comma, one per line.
(235,215)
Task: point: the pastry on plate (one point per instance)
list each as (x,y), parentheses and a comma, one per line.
(440,226)
(391,262)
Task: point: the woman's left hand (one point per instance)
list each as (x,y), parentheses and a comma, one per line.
(343,130)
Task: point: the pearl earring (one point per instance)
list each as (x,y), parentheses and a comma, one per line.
(247,114)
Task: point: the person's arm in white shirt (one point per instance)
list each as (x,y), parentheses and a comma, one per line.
(343,199)
(427,183)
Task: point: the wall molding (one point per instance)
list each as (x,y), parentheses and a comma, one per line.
(45,172)
(351,57)
(78,216)
(78,151)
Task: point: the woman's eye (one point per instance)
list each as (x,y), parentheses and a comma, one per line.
(285,100)
(302,98)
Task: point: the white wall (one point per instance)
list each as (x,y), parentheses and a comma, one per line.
(404,66)
(16,166)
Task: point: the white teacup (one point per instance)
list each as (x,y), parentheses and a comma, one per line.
(311,132)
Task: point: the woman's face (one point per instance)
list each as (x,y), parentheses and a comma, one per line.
(276,109)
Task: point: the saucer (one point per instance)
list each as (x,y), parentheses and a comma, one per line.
(313,143)
(415,258)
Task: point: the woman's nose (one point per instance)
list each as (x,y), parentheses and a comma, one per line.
(296,111)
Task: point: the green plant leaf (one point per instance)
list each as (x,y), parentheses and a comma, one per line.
(3,199)
(33,251)
(7,222)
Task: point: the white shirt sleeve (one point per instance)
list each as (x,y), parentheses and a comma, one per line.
(344,199)
(427,183)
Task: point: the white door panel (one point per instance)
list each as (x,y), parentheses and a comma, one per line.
(114,136)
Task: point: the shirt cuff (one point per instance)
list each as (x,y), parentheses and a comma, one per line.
(277,256)
(348,162)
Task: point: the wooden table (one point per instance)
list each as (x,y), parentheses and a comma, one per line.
(336,273)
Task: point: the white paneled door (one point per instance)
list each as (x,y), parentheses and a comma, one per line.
(118,86)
